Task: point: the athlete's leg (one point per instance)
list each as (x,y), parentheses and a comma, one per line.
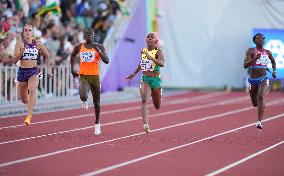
(262,91)
(253,89)
(23,91)
(96,93)
(157,97)
(84,89)
(32,87)
(145,94)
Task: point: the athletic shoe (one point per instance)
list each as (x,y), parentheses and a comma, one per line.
(85,105)
(259,125)
(146,128)
(98,129)
(28,120)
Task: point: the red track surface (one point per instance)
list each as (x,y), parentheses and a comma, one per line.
(192,134)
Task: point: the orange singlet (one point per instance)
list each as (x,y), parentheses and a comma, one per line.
(89,61)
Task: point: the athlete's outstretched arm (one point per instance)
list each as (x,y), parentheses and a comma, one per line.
(102,52)
(273,63)
(138,68)
(46,56)
(249,58)
(19,51)
(72,59)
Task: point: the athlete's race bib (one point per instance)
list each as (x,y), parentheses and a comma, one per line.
(147,65)
(263,60)
(30,53)
(88,56)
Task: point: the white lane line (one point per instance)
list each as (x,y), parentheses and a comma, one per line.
(185,100)
(119,165)
(123,137)
(135,118)
(243,160)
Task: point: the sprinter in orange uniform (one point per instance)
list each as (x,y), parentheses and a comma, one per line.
(90,55)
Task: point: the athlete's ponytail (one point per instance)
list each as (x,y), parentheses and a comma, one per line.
(158,39)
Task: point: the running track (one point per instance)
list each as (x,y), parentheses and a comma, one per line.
(195,133)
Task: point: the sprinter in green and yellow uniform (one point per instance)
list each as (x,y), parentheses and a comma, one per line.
(152,58)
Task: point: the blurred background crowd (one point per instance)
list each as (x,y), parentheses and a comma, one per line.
(58,24)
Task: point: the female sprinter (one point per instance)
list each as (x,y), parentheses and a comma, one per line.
(256,60)
(152,58)
(28,77)
(90,55)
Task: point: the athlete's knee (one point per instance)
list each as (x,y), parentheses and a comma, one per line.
(97,103)
(24,100)
(261,98)
(84,98)
(32,92)
(254,101)
(144,100)
(157,106)
(254,104)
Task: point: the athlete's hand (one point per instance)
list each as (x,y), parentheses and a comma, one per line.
(49,74)
(22,50)
(274,74)
(130,76)
(147,55)
(75,74)
(257,56)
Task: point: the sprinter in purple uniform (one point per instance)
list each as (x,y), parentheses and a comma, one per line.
(28,77)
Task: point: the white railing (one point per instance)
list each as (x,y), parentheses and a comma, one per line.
(62,89)
(61,85)
(8,89)
(51,93)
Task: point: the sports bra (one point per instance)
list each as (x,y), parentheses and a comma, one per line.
(149,65)
(263,60)
(31,51)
